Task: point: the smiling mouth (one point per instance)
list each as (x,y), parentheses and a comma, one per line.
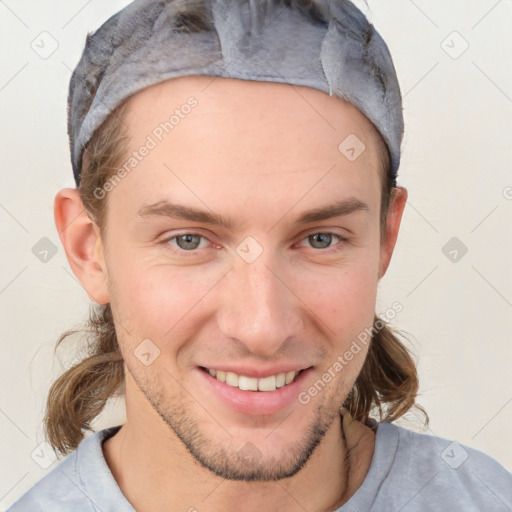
(270,383)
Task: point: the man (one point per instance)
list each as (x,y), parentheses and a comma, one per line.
(236,207)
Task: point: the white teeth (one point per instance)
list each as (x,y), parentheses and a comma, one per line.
(267,384)
(247,383)
(232,379)
(280,380)
(289,377)
(270,383)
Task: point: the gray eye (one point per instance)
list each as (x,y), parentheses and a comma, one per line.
(320,240)
(188,241)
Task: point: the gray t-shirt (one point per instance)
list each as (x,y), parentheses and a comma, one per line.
(409,472)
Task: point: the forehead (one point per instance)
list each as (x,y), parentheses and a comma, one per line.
(246,139)
(238,104)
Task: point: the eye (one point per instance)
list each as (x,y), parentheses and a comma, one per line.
(323,240)
(187,241)
(190,242)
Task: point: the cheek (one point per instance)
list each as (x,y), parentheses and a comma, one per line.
(158,300)
(343,298)
(345,302)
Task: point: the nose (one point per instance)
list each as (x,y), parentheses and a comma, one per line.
(258,306)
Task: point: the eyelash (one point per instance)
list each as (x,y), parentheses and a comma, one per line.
(193,252)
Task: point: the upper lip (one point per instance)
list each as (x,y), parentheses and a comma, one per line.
(259,373)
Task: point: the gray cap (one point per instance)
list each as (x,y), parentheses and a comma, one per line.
(326,45)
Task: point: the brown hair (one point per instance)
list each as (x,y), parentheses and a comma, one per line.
(386,386)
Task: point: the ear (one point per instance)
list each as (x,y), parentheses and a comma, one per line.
(82,243)
(397,203)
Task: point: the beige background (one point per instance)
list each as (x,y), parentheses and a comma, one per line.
(456,164)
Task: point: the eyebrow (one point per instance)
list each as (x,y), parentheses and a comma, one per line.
(173,210)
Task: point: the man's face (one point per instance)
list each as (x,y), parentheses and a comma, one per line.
(263,296)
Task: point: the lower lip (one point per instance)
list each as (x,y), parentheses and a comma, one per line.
(254,402)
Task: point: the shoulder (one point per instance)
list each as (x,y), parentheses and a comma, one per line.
(76,483)
(54,489)
(429,470)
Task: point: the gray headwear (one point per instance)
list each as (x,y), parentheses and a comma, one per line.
(326,45)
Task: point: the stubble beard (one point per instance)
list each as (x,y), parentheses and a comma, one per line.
(246,464)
